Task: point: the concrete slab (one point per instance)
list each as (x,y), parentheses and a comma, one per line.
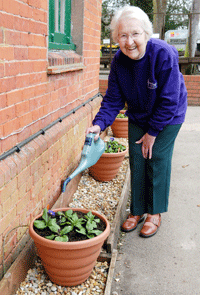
(169,262)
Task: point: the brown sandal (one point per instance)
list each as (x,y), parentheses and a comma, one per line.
(151,225)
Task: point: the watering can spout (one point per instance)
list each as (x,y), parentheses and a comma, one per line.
(92,151)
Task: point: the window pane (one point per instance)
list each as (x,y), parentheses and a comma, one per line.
(62,16)
(56,15)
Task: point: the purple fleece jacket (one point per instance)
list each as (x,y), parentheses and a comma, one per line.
(153,88)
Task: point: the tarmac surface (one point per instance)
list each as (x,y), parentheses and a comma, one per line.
(169,262)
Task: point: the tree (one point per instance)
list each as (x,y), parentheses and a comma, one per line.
(193,26)
(109,7)
(107,12)
(177,15)
(159,11)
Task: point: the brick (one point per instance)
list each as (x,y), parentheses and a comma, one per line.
(37,28)
(24,134)
(10,244)
(11,164)
(46,178)
(3,101)
(6,172)
(12,69)
(44,5)
(38,78)
(36,165)
(35,127)
(40,66)
(36,188)
(28,93)
(23,203)
(9,142)
(25,120)
(22,191)
(40,41)
(27,39)
(34,3)
(25,10)
(21,231)
(11,6)
(7,53)
(2,180)
(7,20)
(39,15)
(22,159)
(7,114)
(13,97)
(12,37)
(40,89)
(8,190)
(37,53)
(18,163)
(21,24)
(22,81)
(9,203)
(30,154)
(1,70)
(22,108)
(20,53)
(10,126)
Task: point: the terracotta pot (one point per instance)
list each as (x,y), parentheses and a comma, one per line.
(122,111)
(120,127)
(107,166)
(69,263)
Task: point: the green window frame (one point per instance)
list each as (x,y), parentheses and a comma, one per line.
(60,25)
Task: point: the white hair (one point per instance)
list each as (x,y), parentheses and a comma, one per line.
(131,12)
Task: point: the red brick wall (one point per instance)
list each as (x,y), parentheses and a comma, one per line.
(30,99)
(193,88)
(192,84)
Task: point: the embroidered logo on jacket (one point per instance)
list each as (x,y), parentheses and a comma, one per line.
(151,85)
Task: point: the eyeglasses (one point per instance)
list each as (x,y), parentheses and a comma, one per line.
(133,36)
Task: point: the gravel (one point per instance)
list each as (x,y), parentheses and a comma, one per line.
(37,282)
(98,196)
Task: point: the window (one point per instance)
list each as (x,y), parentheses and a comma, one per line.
(60,25)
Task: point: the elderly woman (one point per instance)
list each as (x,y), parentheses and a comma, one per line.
(145,74)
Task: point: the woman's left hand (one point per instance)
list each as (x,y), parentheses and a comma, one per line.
(147,145)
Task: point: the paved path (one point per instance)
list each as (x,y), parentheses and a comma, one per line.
(169,262)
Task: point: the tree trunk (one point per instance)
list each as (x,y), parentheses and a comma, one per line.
(194,18)
(159,9)
(193,27)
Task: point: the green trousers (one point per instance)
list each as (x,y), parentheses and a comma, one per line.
(150,179)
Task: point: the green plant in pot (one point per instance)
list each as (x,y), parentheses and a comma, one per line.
(69,241)
(120,125)
(121,116)
(110,161)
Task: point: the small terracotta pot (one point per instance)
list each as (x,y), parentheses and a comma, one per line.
(107,166)
(69,263)
(123,111)
(120,127)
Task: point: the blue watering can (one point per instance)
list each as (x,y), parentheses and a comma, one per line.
(92,151)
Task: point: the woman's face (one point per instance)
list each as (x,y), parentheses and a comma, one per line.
(132,38)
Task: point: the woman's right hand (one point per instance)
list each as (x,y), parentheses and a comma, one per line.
(94,129)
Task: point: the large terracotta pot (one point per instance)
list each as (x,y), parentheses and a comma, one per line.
(120,127)
(107,166)
(69,263)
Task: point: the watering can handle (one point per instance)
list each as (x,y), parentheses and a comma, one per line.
(89,138)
